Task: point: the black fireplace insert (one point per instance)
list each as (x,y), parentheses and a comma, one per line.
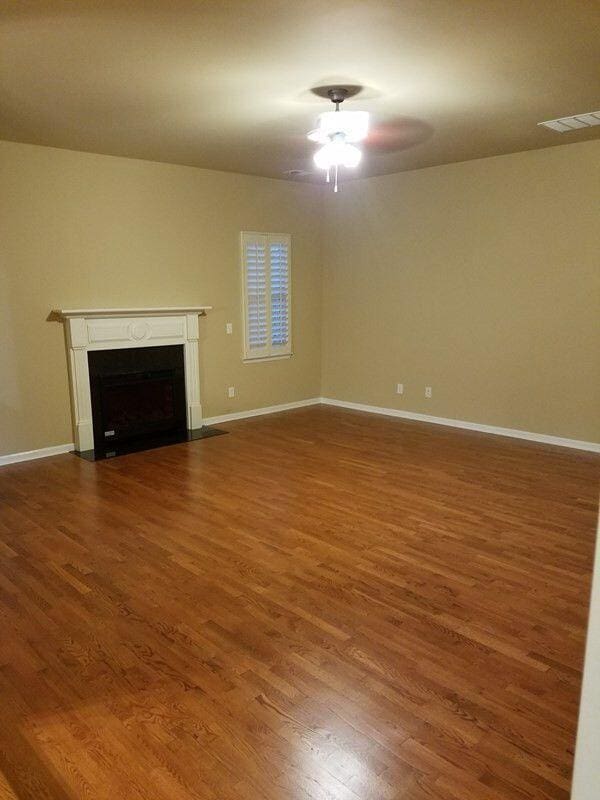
(138,394)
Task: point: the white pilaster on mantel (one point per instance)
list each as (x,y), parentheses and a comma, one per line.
(192,376)
(117,328)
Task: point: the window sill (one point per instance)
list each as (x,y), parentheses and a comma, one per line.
(266,358)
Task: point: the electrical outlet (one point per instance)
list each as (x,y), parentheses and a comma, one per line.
(399,388)
(231,391)
(229,328)
(428,392)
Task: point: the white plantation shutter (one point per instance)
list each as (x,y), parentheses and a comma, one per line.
(279,251)
(255,268)
(267,279)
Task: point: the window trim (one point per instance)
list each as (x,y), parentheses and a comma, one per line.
(269,352)
(258,359)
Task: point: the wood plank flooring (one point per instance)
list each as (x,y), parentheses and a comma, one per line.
(322,605)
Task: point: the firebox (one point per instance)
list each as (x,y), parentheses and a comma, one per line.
(137,394)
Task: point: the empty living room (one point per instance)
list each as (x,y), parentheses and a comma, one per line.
(299,400)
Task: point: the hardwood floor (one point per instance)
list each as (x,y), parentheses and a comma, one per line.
(322,605)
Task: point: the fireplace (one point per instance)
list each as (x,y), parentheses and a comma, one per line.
(138,394)
(134,377)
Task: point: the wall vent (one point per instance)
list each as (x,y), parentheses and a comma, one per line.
(565,124)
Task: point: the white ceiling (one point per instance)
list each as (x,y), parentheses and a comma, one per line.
(225,85)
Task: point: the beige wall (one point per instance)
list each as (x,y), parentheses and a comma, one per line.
(480,279)
(83,230)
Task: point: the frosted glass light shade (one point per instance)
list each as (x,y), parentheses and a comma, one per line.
(337,153)
(354,125)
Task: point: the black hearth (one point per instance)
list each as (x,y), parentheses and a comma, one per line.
(138,395)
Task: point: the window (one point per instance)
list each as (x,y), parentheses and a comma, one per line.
(267,318)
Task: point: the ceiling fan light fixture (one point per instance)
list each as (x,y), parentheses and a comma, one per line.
(354,125)
(337,153)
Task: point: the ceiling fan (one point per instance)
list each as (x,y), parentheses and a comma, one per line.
(340,133)
(337,133)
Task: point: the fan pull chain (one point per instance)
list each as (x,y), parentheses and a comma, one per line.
(335,185)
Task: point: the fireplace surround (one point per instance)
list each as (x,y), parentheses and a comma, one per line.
(158,360)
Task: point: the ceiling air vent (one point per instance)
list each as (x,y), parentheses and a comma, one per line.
(565,124)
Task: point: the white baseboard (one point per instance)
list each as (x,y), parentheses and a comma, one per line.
(257,412)
(514,433)
(29,455)
(577,444)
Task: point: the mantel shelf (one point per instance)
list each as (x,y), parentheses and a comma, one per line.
(70,313)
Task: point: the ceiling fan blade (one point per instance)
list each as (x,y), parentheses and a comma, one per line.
(399,133)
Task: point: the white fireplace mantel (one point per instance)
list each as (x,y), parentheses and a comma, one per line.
(161,311)
(113,328)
